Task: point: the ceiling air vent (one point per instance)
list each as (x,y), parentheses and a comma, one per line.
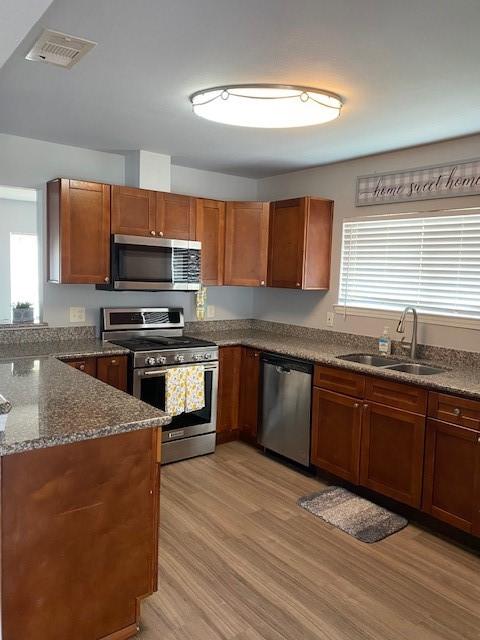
(59,48)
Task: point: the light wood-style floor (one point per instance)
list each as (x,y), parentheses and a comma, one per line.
(240,561)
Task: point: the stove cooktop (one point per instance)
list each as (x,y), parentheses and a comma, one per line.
(160,343)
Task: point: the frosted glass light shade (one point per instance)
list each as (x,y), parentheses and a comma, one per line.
(266,106)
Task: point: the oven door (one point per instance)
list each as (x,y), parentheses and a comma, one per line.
(149,386)
(154,264)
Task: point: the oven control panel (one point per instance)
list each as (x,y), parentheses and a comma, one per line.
(175,357)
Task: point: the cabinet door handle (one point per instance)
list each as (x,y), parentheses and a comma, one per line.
(107,279)
(160,233)
(457,411)
(365,407)
(262,283)
(152,233)
(298,284)
(113,362)
(356,405)
(82,367)
(478,439)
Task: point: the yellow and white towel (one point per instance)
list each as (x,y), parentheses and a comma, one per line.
(194,388)
(184,390)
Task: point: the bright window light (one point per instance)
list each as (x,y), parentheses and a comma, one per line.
(24,285)
(428,261)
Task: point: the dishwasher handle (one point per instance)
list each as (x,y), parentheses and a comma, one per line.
(284,364)
(281,369)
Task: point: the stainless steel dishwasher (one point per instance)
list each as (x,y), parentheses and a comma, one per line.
(286,407)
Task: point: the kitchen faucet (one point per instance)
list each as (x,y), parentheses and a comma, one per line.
(401,329)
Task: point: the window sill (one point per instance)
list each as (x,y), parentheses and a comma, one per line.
(423,318)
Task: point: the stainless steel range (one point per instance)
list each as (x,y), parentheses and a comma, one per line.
(154,337)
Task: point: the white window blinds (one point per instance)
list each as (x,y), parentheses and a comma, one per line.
(431,262)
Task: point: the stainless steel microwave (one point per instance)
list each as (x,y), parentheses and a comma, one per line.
(154,264)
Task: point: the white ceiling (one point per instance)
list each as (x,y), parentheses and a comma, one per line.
(407,69)
(17,18)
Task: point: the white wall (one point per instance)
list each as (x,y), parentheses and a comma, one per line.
(16,216)
(31,163)
(209,184)
(337,181)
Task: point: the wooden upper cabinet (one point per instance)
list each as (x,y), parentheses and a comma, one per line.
(133,211)
(246,243)
(451,485)
(300,243)
(210,231)
(78,229)
(175,216)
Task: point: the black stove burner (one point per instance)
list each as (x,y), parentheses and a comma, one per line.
(158,343)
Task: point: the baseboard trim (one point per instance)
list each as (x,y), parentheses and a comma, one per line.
(123,634)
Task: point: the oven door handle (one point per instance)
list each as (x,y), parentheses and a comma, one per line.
(211,366)
(151,373)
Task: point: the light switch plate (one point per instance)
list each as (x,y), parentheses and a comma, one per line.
(77,314)
(210,310)
(330,319)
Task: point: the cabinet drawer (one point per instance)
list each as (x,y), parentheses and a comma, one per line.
(87,365)
(398,395)
(456,410)
(339,380)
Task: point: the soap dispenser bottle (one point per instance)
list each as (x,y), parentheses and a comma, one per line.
(385,343)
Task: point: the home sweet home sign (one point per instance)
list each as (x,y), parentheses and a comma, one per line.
(424,183)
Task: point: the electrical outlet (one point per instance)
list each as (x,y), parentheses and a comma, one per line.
(77,314)
(330,318)
(210,310)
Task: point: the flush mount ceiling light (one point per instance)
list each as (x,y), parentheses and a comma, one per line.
(268,106)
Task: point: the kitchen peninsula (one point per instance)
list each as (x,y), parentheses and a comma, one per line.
(80,483)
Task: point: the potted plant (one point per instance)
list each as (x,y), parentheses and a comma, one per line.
(23,312)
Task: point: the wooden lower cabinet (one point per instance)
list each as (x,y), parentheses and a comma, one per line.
(109,369)
(336,428)
(451,489)
(391,460)
(249,394)
(79,538)
(87,365)
(113,371)
(228,398)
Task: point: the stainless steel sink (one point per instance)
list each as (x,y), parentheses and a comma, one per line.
(372,360)
(416,369)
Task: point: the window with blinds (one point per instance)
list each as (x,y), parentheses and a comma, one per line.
(430,262)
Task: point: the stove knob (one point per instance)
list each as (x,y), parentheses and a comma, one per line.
(150,361)
(161,360)
(207,356)
(179,358)
(197,356)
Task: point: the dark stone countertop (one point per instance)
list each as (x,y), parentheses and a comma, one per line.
(52,403)
(63,349)
(458,379)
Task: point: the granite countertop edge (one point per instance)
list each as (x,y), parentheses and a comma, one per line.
(61,352)
(90,434)
(452,380)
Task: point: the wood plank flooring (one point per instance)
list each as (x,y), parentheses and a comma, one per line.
(240,561)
